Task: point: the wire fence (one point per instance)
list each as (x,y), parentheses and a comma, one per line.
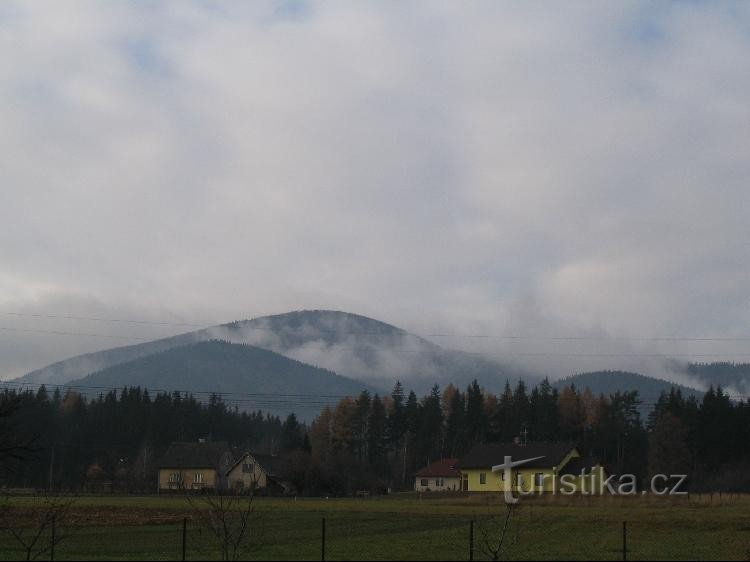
(370,531)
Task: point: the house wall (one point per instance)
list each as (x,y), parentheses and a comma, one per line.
(187,478)
(452,484)
(587,484)
(495,482)
(239,480)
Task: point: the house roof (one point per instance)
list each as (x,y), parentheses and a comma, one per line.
(194,454)
(580,465)
(487,456)
(273,465)
(443,468)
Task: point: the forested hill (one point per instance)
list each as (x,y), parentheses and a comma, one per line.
(351,345)
(609,382)
(250,377)
(732,376)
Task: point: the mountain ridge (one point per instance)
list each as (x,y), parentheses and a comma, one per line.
(610,381)
(249,377)
(351,345)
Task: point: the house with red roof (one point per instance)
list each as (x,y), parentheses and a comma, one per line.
(440,476)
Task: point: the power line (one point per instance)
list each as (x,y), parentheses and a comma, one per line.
(173,390)
(66,333)
(271,396)
(102,319)
(490,354)
(228,326)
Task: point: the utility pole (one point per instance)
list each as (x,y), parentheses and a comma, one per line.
(184,537)
(471,540)
(624,541)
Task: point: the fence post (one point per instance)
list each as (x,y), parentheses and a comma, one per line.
(323,540)
(52,546)
(624,541)
(184,537)
(471,540)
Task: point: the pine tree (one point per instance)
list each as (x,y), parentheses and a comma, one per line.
(430,434)
(476,422)
(396,416)
(376,433)
(521,408)
(359,424)
(291,434)
(455,428)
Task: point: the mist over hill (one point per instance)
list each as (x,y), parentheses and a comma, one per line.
(609,382)
(368,350)
(732,377)
(243,375)
(378,354)
(351,345)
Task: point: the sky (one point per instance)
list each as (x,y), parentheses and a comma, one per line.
(473,168)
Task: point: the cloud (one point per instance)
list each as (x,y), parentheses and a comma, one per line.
(485,168)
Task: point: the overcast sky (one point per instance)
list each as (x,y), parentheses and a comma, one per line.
(467,167)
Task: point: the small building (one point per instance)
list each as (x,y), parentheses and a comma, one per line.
(200,465)
(255,472)
(439,476)
(537,468)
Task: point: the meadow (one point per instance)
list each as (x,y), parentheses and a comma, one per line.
(408,527)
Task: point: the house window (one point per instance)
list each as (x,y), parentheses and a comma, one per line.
(439,482)
(248,468)
(175,477)
(198,478)
(482,477)
(539,480)
(519,480)
(424,483)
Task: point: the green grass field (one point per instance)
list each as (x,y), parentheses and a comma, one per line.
(433,527)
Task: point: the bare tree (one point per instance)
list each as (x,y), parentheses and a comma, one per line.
(499,532)
(231,521)
(39,528)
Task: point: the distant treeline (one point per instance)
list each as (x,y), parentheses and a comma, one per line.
(69,442)
(394,436)
(371,442)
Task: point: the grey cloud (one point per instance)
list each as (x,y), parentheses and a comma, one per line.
(485,168)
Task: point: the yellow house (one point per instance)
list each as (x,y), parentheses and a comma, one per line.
(200,465)
(534,469)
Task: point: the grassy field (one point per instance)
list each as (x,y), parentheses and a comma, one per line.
(433,527)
